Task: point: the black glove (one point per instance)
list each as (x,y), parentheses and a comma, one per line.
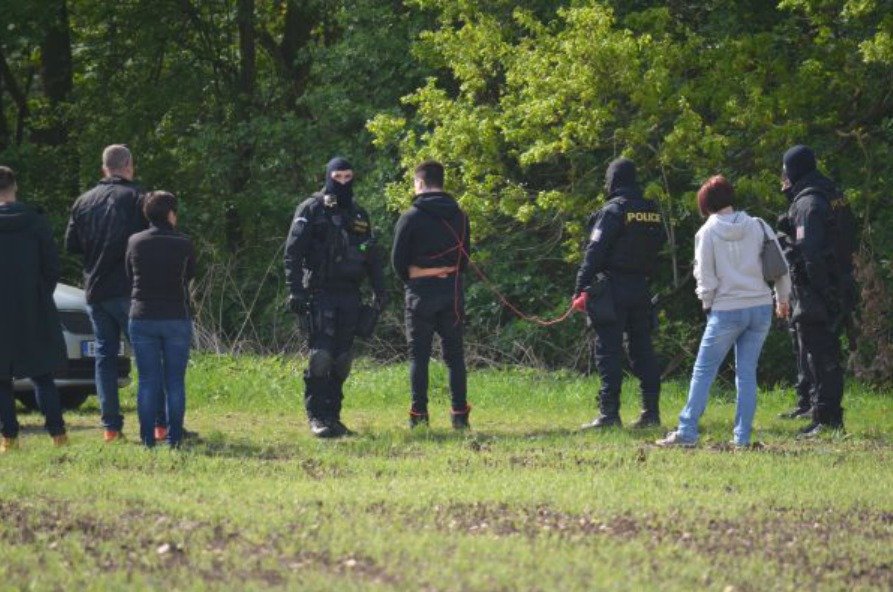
(380,300)
(299,302)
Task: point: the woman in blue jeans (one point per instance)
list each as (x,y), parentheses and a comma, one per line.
(160,262)
(738,304)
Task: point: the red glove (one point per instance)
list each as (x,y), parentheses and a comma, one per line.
(579,302)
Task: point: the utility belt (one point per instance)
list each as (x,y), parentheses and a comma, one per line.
(416,272)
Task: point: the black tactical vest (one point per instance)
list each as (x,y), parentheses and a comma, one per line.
(641,238)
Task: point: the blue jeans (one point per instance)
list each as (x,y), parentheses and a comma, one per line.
(746,330)
(109,319)
(161,349)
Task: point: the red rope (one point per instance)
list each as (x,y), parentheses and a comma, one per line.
(460,247)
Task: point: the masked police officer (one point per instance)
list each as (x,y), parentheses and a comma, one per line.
(329,251)
(845,245)
(820,294)
(625,238)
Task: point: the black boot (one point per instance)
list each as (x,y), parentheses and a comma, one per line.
(797,412)
(603,421)
(418,418)
(460,418)
(647,419)
(323,429)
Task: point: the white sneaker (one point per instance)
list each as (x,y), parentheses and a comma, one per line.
(674,439)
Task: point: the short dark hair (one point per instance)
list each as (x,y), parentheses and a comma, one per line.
(7,178)
(715,194)
(430,173)
(158,205)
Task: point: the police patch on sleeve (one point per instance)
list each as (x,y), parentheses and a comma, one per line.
(801,233)
(596,235)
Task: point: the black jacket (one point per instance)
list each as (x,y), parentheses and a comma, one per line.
(31,341)
(331,248)
(811,229)
(160,263)
(429,234)
(102,220)
(625,237)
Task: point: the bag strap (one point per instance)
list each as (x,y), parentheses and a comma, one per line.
(763,228)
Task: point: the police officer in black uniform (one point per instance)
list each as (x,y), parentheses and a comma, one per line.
(329,251)
(820,292)
(845,245)
(625,238)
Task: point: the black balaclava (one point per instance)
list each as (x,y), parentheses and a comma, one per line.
(621,178)
(798,162)
(343,192)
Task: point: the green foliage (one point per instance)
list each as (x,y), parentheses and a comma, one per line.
(532,107)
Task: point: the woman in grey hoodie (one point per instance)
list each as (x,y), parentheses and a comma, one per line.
(738,304)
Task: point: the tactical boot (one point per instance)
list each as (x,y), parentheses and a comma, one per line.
(417,419)
(797,413)
(815,429)
(603,421)
(460,418)
(322,429)
(341,429)
(648,419)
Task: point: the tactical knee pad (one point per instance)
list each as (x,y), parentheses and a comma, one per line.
(341,366)
(320,363)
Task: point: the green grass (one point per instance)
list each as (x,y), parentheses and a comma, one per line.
(524,502)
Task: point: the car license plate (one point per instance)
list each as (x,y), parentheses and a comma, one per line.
(88,349)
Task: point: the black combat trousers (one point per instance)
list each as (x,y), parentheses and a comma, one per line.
(435,305)
(821,348)
(333,323)
(803,385)
(632,303)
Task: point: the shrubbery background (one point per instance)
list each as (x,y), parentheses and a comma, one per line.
(236,105)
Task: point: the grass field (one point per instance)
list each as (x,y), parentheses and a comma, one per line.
(523,502)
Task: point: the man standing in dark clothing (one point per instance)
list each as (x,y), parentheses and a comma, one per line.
(31,343)
(432,241)
(625,238)
(845,246)
(102,220)
(819,287)
(329,250)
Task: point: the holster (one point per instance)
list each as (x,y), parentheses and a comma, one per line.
(600,304)
(366,321)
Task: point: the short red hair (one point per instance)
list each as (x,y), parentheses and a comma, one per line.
(714,195)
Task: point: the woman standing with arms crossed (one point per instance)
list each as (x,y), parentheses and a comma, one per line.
(738,304)
(160,263)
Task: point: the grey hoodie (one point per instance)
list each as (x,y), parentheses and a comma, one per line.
(728,268)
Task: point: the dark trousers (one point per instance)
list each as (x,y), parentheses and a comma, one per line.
(47,398)
(333,324)
(803,385)
(437,308)
(821,348)
(632,304)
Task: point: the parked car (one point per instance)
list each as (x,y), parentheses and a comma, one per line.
(76,380)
